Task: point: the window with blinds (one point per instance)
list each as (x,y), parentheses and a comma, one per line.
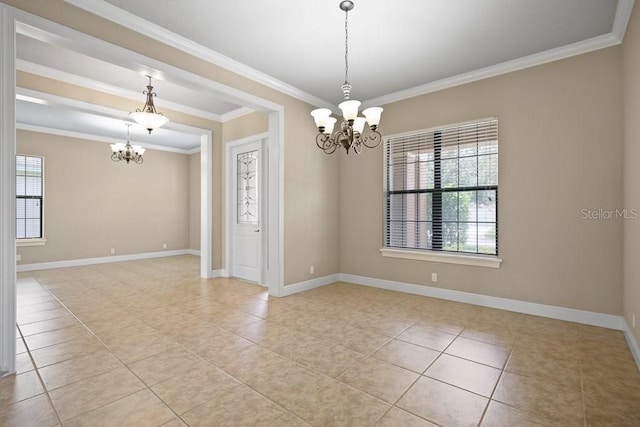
(29,186)
(441,189)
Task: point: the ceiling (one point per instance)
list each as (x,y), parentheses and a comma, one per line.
(397,48)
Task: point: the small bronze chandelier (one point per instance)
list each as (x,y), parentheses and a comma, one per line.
(351,132)
(127,152)
(148,117)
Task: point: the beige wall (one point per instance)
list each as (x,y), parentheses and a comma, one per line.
(194,201)
(93,204)
(311,194)
(631,84)
(560,152)
(244,126)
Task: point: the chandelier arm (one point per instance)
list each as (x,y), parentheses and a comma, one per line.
(149,106)
(326,143)
(321,140)
(357,145)
(373,136)
(345,137)
(331,149)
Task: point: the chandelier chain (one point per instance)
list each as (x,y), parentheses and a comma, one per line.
(346,87)
(346,47)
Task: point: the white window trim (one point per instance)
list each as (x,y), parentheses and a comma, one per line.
(477,260)
(448,258)
(31,242)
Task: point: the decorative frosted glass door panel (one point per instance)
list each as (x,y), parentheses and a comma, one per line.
(247,187)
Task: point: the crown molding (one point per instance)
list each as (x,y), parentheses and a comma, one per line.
(551,55)
(623,14)
(156,32)
(91,84)
(242,111)
(59,35)
(119,16)
(38,97)
(98,138)
(112,13)
(30,95)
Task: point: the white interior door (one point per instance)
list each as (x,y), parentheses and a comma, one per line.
(246,242)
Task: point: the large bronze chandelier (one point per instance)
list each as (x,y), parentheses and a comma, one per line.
(351,133)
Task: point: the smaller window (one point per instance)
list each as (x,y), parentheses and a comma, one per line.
(29,192)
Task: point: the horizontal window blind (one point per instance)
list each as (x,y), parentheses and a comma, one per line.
(441,189)
(29,183)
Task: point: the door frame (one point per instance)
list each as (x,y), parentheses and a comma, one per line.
(263,167)
(7,193)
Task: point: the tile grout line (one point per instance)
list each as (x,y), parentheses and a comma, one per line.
(37,370)
(322,373)
(393,404)
(502,371)
(495,387)
(91,376)
(420,375)
(395,337)
(188,350)
(582,393)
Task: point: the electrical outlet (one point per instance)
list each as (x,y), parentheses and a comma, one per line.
(312,269)
(18,257)
(113,251)
(164,246)
(434,277)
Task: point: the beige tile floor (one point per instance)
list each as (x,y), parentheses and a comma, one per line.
(148,343)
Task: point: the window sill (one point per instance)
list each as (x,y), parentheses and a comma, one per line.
(30,242)
(475,260)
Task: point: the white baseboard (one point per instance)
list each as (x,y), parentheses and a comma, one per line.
(561,313)
(633,344)
(101,260)
(309,284)
(217,273)
(195,252)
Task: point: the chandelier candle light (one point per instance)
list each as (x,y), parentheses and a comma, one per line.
(127,151)
(148,117)
(351,130)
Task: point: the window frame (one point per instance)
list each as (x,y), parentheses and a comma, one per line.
(33,241)
(436,255)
